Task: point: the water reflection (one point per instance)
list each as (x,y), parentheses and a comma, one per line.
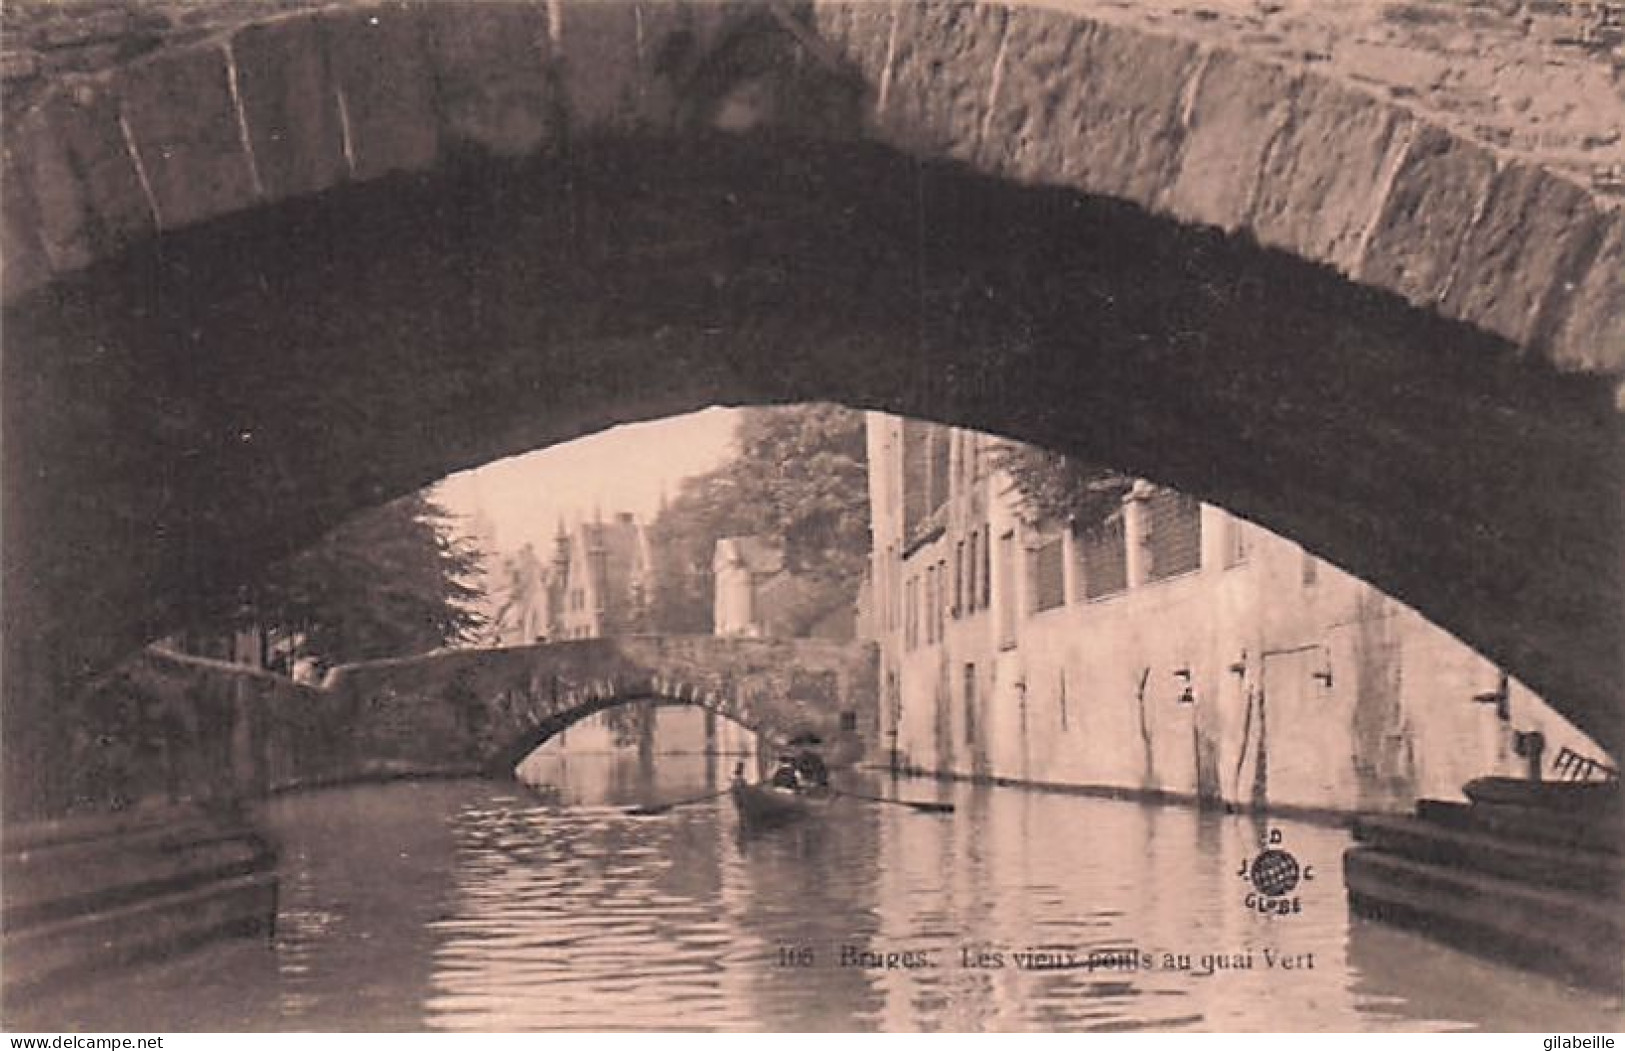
(479,906)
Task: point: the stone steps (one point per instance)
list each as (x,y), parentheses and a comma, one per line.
(1500,856)
(82,946)
(1538,887)
(1571,936)
(86,894)
(35,891)
(1527,824)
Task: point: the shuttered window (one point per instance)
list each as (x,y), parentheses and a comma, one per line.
(1006,569)
(1104,558)
(1238,542)
(1173,534)
(1046,575)
(973,571)
(959,580)
(942,597)
(931,601)
(984,570)
(926,461)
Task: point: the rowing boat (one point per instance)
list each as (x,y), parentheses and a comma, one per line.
(766,804)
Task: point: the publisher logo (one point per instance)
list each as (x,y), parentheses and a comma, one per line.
(1274,874)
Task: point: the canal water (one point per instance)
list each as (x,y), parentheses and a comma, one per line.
(470,905)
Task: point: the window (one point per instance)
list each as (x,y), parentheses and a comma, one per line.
(1007,590)
(1311,570)
(926,461)
(985,571)
(970,704)
(918,608)
(942,595)
(893,593)
(1173,534)
(1103,553)
(930,610)
(959,579)
(941,458)
(971,563)
(849,720)
(600,574)
(1046,575)
(1238,542)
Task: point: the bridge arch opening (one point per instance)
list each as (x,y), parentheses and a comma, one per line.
(215,415)
(640,753)
(221,394)
(550,730)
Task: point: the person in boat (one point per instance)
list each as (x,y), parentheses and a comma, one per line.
(811,770)
(802,754)
(784,773)
(800,771)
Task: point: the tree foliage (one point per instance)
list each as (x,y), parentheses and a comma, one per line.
(390,582)
(1057,488)
(685,533)
(800,479)
(803,473)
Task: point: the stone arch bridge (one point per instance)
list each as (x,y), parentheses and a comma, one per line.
(486,710)
(270,264)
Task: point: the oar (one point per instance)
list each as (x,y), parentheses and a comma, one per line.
(660,808)
(924,808)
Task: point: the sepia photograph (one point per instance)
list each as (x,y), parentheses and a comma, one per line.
(872,516)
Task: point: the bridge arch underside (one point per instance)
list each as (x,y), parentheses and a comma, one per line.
(508,749)
(181,415)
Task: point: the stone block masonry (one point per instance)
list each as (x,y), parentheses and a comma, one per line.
(168,730)
(1264,214)
(1449,133)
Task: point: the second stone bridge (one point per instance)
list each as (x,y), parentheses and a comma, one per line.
(487,709)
